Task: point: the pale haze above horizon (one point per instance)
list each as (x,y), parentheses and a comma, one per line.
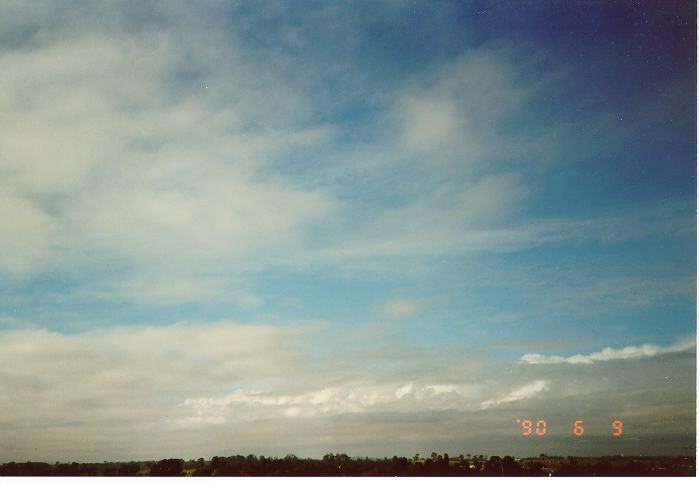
(367,227)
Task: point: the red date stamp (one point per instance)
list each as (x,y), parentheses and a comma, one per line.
(540,427)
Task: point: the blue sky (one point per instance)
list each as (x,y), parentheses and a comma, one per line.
(259,217)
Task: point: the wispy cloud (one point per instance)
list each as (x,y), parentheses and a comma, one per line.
(175,164)
(608,353)
(244,405)
(189,385)
(530,390)
(226,167)
(175,289)
(147,168)
(451,115)
(403,307)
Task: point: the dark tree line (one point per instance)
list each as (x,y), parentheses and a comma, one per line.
(343,465)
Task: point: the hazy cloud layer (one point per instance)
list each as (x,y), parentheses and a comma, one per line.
(148,385)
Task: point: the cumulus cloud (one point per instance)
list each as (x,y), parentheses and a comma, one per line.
(609,353)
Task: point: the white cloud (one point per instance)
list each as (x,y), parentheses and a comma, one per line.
(450,114)
(608,353)
(430,123)
(108,367)
(108,151)
(24,232)
(175,179)
(152,148)
(525,392)
(244,405)
(158,390)
(450,219)
(148,141)
(164,289)
(403,307)
(478,219)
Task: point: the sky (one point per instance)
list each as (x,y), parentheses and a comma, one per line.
(371,227)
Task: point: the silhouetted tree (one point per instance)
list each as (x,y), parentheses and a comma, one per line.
(494,467)
(510,467)
(170,467)
(343,465)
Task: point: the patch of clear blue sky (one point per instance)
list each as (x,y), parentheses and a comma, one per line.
(632,65)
